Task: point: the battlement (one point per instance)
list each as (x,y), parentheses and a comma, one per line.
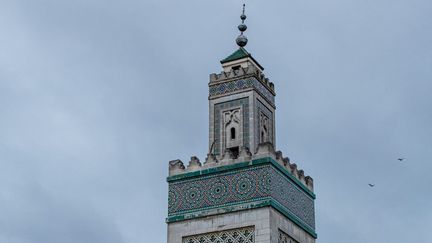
(177,167)
(242,72)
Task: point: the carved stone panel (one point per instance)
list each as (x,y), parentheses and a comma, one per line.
(232,128)
(264,128)
(219,123)
(241,235)
(264,125)
(285,238)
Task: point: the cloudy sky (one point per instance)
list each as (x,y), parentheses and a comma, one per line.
(97,96)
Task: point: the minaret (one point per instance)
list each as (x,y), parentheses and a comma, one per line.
(245,191)
(241,103)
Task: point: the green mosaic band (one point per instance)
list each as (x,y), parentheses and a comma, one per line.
(251,184)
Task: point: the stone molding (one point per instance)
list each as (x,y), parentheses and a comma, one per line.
(264,150)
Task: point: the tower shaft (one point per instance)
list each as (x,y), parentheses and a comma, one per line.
(245,191)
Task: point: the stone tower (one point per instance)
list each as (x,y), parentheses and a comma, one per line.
(245,191)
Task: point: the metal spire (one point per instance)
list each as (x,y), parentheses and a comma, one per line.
(242,39)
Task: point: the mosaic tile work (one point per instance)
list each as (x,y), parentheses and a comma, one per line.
(285,238)
(217,190)
(232,86)
(239,84)
(234,187)
(218,137)
(261,108)
(292,198)
(264,92)
(241,235)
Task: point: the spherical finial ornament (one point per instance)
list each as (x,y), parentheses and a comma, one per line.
(241,40)
(242,27)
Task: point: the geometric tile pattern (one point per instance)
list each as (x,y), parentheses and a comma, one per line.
(240,84)
(240,186)
(285,238)
(293,198)
(241,235)
(218,108)
(217,190)
(264,92)
(232,86)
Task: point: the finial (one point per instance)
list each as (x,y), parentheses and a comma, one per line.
(241,39)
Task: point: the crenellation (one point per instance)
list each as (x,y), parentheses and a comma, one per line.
(243,72)
(213,76)
(267,82)
(227,157)
(301,176)
(294,170)
(286,161)
(176,167)
(244,154)
(251,71)
(194,164)
(309,182)
(279,157)
(210,160)
(272,86)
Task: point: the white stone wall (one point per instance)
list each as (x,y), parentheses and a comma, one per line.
(278,221)
(259,218)
(267,222)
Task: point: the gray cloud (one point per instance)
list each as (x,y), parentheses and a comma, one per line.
(96,97)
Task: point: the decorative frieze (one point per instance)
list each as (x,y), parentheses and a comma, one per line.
(252,183)
(241,84)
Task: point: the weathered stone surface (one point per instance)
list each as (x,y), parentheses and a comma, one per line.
(176,167)
(194,163)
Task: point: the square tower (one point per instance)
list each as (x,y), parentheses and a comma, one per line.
(245,191)
(242,109)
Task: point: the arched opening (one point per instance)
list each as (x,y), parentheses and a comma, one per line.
(233,133)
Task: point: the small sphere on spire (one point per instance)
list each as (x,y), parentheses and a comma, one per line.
(242,27)
(243,17)
(241,40)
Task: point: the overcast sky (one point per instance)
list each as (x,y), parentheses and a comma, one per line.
(97,96)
